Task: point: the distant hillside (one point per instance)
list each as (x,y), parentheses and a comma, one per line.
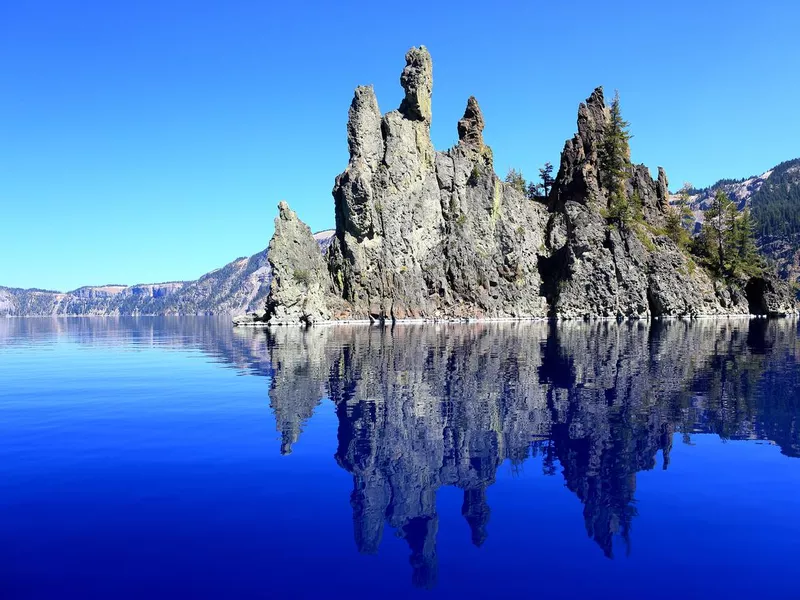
(774,199)
(238,287)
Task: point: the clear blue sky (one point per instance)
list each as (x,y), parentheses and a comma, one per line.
(152,140)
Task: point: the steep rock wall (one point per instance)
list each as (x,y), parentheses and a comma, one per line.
(422,233)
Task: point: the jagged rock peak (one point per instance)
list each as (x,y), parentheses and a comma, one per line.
(300,286)
(364,137)
(285,213)
(470,127)
(417,81)
(592,119)
(597,98)
(662,189)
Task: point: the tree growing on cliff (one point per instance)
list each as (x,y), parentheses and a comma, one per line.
(516,179)
(614,155)
(535,191)
(546,175)
(747,259)
(716,234)
(727,239)
(624,211)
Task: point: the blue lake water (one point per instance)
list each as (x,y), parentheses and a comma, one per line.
(180,458)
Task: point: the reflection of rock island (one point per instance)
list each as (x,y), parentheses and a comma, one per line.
(422,407)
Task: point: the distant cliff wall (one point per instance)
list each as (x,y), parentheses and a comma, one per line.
(240,286)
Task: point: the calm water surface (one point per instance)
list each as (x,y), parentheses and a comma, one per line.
(179,458)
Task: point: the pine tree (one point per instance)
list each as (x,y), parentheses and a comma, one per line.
(516,179)
(625,211)
(614,151)
(728,238)
(535,191)
(714,230)
(546,175)
(748,261)
(614,155)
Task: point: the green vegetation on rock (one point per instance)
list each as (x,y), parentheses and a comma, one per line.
(776,205)
(516,180)
(727,240)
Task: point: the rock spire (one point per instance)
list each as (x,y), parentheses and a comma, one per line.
(435,235)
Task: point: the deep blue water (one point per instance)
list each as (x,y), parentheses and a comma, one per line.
(179,458)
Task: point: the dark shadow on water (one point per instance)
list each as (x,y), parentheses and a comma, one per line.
(756,302)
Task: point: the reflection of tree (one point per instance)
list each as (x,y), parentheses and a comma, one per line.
(607,424)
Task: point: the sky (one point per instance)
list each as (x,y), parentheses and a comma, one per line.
(151,141)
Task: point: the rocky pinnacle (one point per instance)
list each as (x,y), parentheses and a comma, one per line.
(470,127)
(437,235)
(417,81)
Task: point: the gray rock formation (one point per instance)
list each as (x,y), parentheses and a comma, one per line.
(427,234)
(608,271)
(300,289)
(769,295)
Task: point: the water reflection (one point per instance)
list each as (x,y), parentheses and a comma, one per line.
(421,407)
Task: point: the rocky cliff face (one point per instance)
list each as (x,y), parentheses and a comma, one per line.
(599,270)
(300,286)
(421,233)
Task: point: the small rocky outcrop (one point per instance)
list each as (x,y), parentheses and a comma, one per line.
(300,287)
(437,235)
